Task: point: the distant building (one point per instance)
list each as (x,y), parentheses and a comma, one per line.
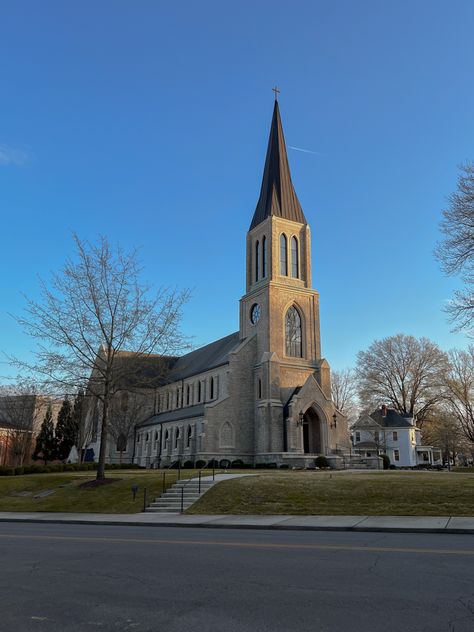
(262,394)
(20,419)
(385,431)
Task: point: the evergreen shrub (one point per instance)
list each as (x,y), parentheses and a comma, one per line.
(321,462)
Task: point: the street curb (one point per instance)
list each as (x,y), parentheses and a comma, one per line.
(256,527)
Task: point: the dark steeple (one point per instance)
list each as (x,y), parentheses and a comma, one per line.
(277,195)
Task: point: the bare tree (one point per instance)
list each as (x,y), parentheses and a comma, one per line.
(443,430)
(344,392)
(93,309)
(456,252)
(404,372)
(460,389)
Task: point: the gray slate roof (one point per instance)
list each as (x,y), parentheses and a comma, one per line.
(174,415)
(154,370)
(277,194)
(393,419)
(212,355)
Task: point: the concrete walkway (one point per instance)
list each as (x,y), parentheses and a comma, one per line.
(401,524)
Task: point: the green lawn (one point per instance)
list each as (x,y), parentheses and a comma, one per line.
(338,493)
(17,492)
(276,492)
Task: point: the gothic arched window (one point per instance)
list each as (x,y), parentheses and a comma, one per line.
(122,442)
(294,258)
(264,257)
(293,339)
(189,435)
(257,260)
(283,255)
(226,435)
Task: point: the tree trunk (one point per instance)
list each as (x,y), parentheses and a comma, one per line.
(103,438)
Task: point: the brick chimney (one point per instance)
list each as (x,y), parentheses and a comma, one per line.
(384,410)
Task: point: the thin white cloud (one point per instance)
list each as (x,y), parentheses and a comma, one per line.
(306,151)
(12,156)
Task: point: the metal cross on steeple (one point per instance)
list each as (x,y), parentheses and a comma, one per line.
(277,92)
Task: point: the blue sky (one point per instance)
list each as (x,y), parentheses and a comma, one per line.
(147,121)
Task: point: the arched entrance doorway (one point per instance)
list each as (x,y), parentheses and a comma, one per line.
(312,443)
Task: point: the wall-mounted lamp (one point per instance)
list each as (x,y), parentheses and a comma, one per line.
(300,420)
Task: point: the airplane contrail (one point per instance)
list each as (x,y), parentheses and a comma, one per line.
(306,151)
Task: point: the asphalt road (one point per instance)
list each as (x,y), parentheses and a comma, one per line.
(86,578)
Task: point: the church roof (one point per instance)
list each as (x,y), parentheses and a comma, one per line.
(188,412)
(277,195)
(153,371)
(212,355)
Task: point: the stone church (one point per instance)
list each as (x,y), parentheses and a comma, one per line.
(261,395)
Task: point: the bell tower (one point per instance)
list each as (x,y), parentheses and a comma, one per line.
(279,307)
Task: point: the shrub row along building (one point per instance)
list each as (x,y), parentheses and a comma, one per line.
(260,395)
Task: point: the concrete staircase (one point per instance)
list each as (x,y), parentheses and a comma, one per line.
(170,501)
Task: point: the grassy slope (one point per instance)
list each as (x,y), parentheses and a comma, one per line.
(113,498)
(384,493)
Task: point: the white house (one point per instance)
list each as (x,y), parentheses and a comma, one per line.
(385,431)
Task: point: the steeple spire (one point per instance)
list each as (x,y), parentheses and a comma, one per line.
(277,195)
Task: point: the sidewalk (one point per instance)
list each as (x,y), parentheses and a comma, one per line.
(394,524)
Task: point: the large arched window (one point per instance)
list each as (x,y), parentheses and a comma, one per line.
(257,260)
(293,339)
(122,442)
(295,266)
(264,257)
(283,256)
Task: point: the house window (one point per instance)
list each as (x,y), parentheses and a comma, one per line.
(294,258)
(168,400)
(259,389)
(283,256)
(264,257)
(293,337)
(147,436)
(176,438)
(357,436)
(188,395)
(199,391)
(167,438)
(156,436)
(257,260)
(396,455)
(212,388)
(177,398)
(395,435)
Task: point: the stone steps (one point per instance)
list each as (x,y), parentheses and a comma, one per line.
(170,501)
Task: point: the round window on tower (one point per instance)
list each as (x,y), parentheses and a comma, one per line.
(255,314)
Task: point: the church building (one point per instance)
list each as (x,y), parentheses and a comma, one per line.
(261,395)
